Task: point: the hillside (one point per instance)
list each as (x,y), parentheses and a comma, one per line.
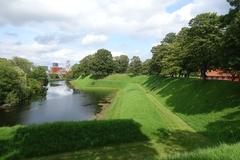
(177,115)
(206,106)
(183,114)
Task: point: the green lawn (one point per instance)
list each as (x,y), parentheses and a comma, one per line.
(175,113)
(178,115)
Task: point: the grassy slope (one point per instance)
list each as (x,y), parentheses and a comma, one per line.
(202,107)
(8,132)
(223,152)
(140,151)
(207,107)
(134,102)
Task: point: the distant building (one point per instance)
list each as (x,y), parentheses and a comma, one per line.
(221,75)
(55,69)
(55,64)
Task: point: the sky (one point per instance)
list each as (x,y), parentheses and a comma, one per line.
(46,31)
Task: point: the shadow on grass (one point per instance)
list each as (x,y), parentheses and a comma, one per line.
(136,151)
(96,77)
(194,96)
(226,130)
(181,140)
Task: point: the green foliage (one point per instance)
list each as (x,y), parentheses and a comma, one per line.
(135,66)
(35,87)
(234,3)
(205,35)
(169,38)
(39,74)
(13,84)
(17,85)
(54,76)
(12,98)
(99,64)
(23,63)
(85,67)
(36,140)
(146,67)
(102,64)
(231,47)
(121,63)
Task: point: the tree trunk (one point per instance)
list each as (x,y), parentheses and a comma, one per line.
(203,74)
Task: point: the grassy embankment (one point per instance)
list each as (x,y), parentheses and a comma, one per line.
(176,114)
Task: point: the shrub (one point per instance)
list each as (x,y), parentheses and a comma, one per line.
(3,146)
(49,138)
(12,99)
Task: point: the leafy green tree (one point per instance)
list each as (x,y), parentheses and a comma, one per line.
(13,83)
(39,74)
(205,35)
(234,3)
(135,66)
(102,63)
(84,68)
(169,38)
(231,48)
(121,63)
(146,67)
(23,63)
(182,54)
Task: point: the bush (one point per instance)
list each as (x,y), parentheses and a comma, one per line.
(49,138)
(12,99)
(3,146)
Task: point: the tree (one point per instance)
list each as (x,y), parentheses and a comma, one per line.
(102,63)
(39,74)
(84,68)
(182,53)
(16,85)
(234,3)
(231,48)
(146,66)
(121,63)
(23,63)
(135,65)
(156,63)
(169,38)
(205,36)
(13,83)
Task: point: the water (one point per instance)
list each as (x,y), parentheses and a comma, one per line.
(61,104)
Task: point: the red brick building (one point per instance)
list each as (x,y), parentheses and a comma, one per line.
(221,75)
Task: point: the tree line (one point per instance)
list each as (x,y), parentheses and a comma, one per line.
(20,80)
(208,42)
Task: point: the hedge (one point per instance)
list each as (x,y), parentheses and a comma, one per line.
(50,138)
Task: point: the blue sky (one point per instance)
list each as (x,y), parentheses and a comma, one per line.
(61,30)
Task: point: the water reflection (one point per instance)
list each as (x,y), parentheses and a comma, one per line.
(61,104)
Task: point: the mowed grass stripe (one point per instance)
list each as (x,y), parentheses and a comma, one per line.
(173,122)
(132,103)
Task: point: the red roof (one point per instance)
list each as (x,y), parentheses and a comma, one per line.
(218,73)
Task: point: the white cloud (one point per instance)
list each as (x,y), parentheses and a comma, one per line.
(58,24)
(94,39)
(135,17)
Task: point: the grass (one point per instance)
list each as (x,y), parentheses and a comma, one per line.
(140,151)
(228,152)
(178,115)
(211,108)
(7,133)
(175,112)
